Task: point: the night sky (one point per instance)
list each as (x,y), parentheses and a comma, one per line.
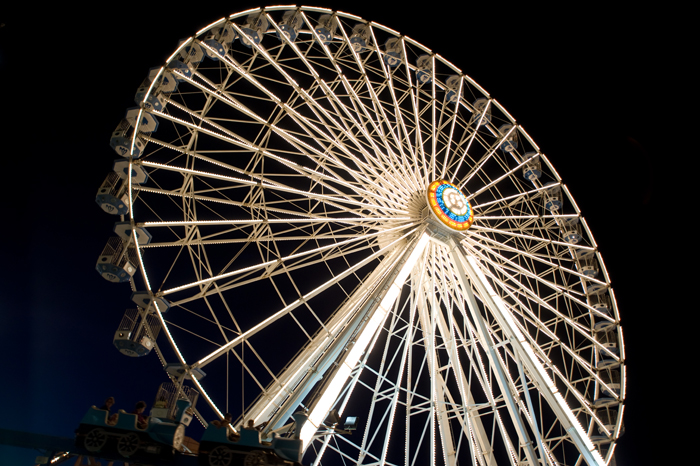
(595,89)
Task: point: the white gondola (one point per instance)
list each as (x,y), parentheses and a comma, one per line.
(608,417)
(154,101)
(601,303)
(571,230)
(139,175)
(112,197)
(254,29)
(552,197)
(594,288)
(452,85)
(149,123)
(224,34)
(166,83)
(325,28)
(122,138)
(532,170)
(180,71)
(165,405)
(588,266)
(124,230)
(393,52)
(213,47)
(424,71)
(191,53)
(609,341)
(118,261)
(510,143)
(479,106)
(137,333)
(359,38)
(611,378)
(290,25)
(144,299)
(178,371)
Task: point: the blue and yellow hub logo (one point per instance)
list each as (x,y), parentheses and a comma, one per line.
(449,205)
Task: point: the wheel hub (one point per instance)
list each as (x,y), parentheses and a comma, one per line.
(449,205)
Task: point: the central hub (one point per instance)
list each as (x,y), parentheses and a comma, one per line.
(449,205)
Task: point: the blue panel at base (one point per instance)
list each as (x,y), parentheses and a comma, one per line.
(603,326)
(594,288)
(130,348)
(424,76)
(111,204)
(392,59)
(177,370)
(532,174)
(180,70)
(288,31)
(112,273)
(599,438)
(607,364)
(324,34)
(251,37)
(358,44)
(509,146)
(220,51)
(553,205)
(122,146)
(605,401)
(143,299)
(452,96)
(573,238)
(605,392)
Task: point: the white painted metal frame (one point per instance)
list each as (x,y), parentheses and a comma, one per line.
(285,198)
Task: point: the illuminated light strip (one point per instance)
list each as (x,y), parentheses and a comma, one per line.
(471,139)
(281,260)
(308,98)
(200,173)
(290,307)
(269,185)
(576,432)
(514,196)
(389,152)
(380,111)
(448,145)
(505,175)
(271,220)
(320,411)
(535,238)
(582,330)
(416,117)
(485,159)
(401,121)
(284,134)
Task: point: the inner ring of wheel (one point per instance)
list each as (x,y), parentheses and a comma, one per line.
(449,205)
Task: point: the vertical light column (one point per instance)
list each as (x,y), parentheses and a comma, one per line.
(535,368)
(346,365)
(493,358)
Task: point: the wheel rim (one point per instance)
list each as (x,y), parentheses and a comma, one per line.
(95,440)
(297,175)
(255,458)
(178,437)
(128,444)
(220,456)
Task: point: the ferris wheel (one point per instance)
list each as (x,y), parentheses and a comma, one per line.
(319,214)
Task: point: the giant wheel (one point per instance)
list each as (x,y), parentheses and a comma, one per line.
(340,219)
